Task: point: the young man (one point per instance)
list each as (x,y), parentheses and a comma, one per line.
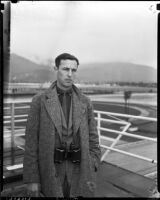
(62,151)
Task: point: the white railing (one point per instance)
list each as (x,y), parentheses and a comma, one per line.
(11,130)
(116,119)
(121,133)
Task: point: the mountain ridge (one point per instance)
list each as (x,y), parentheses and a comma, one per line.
(25,70)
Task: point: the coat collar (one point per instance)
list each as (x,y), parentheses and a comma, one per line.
(78,111)
(51,102)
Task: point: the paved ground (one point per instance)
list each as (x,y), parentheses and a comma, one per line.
(143,148)
(120,175)
(114,181)
(134,177)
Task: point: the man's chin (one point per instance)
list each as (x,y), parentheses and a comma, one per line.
(68,84)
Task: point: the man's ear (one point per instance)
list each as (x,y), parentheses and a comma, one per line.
(55,68)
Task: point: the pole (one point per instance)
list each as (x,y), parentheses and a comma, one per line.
(12,134)
(99,125)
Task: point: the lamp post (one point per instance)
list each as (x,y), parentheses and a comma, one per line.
(127,96)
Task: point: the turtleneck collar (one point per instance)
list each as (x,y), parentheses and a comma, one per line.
(61,91)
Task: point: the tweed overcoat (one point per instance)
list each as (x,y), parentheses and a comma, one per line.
(43,122)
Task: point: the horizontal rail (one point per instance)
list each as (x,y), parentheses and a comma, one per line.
(8,101)
(16,135)
(7,122)
(107,138)
(19,107)
(22,107)
(13,167)
(128,116)
(130,154)
(18,120)
(16,116)
(17,130)
(129,134)
(6,108)
(110,120)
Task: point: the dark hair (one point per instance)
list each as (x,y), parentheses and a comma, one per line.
(65,56)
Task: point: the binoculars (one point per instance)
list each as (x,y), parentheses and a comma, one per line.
(61,154)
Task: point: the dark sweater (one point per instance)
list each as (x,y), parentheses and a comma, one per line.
(68,94)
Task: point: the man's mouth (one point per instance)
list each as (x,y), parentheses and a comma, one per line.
(68,80)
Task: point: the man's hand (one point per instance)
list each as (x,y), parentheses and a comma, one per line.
(33,189)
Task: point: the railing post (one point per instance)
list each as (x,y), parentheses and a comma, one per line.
(115,141)
(12,133)
(99,125)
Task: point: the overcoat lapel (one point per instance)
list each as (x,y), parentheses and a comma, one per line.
(78,111)
(52,106)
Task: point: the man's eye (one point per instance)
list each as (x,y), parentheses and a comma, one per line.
(74,70)
(65,69)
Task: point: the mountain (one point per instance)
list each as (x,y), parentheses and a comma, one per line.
(25,70)
(117,71)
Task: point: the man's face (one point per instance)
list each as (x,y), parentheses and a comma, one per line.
(66,73)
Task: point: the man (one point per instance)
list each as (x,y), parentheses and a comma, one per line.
(62,152)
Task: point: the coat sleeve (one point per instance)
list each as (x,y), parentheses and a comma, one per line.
(94,146)
(30,162)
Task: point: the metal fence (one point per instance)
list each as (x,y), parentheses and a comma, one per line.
(121,133)
(11,130)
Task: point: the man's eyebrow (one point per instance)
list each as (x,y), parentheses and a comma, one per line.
(65,67)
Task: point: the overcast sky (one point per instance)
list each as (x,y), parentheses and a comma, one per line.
(92,31)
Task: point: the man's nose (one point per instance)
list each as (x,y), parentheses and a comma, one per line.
(70,73)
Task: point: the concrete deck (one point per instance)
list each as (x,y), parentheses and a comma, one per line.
(114,181)
(120,175)
(124,176)
(143,148)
